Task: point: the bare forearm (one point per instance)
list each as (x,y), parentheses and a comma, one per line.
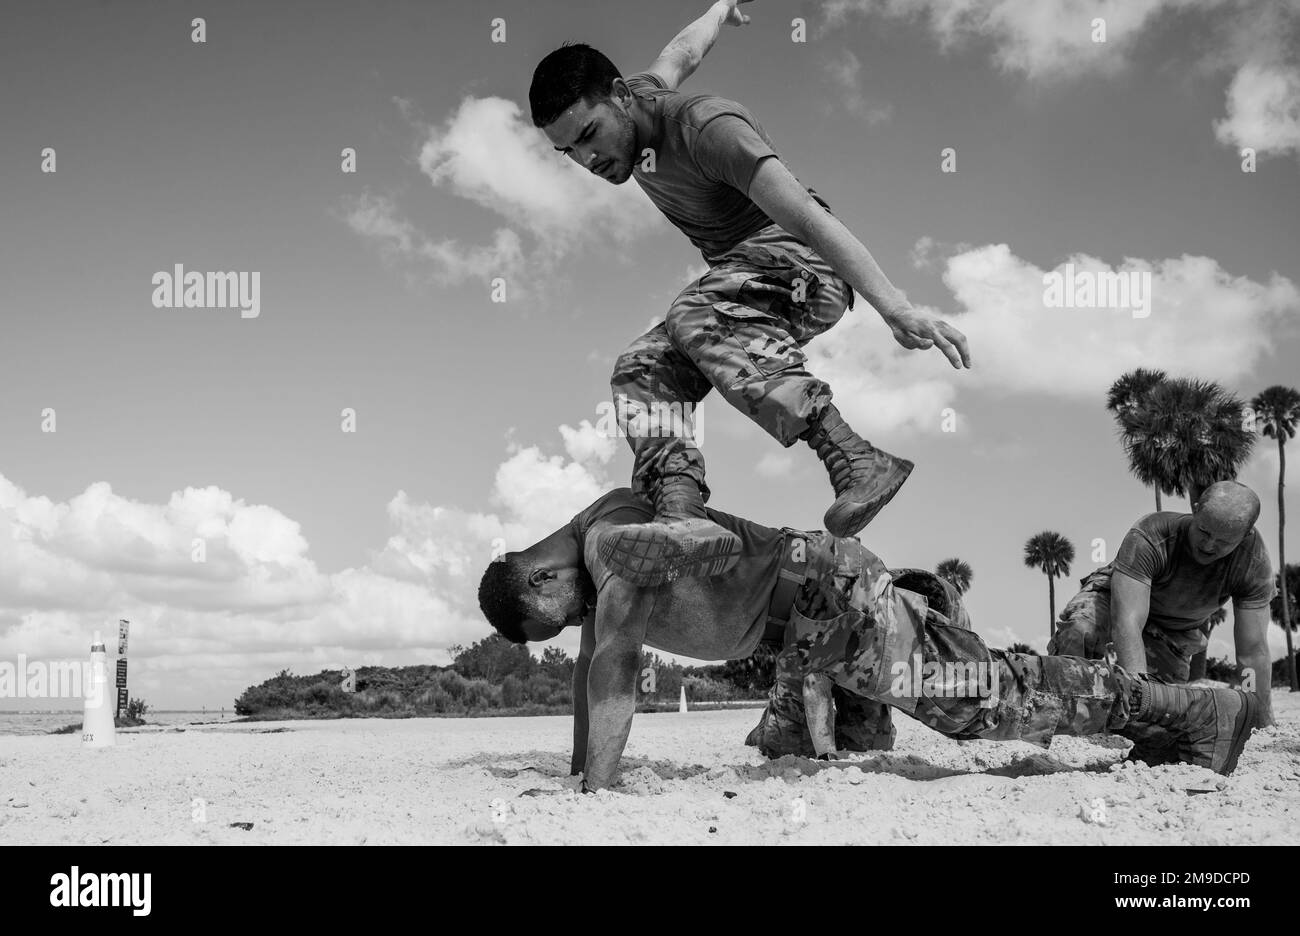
(1130,651)
(850,258)
(695,41)
(1256,664)
(612,703)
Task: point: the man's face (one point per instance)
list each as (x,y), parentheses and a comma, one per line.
(1211,538)
(600,137)
(561,598)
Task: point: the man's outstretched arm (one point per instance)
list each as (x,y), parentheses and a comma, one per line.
(621,615)
(683,55)
(785,200)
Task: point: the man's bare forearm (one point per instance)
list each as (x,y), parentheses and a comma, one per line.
(1130,651)
(612,683)
(1259,664)
(851,259)
(695,41)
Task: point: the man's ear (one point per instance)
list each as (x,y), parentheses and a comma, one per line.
(538,576)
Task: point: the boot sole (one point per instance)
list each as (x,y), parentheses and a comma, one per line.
(848,515)
(648,554)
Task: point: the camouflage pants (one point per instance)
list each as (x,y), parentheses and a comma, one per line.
(895,647)
(741,327)
(1084,629)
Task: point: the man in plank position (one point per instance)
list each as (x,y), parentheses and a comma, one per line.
(782,270)
(842,620)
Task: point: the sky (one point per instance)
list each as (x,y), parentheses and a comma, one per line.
(203,432)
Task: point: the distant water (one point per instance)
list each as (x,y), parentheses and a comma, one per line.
(37,723)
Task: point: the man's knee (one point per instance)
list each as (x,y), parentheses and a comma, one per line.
(1083,629)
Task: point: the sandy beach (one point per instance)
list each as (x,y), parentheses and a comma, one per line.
(686,779)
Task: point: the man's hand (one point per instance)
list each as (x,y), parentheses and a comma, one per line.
(734,16)
(917,331)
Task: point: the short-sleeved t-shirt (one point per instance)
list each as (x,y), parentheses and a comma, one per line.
(706,150)
(1184,593)
(716,618)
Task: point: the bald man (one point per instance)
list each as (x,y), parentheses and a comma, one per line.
(1173,571)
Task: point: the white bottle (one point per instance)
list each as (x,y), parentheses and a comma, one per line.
(97,728)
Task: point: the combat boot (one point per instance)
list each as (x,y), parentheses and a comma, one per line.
(1208,727)
(681,541)
(864,477)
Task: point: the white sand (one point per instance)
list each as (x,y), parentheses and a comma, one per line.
(434,780)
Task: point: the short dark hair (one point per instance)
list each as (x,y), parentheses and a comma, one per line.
(501,596)
(571,73)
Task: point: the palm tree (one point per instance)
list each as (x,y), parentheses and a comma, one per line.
(1022,648)
(1285,606)
(1185,435)
(1125,396)
(1052,554)
(1277,410)
(957,572)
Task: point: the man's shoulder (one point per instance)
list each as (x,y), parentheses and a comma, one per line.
(1161,526)
(1161,520)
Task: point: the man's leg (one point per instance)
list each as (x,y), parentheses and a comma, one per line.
(1084,630)
(1041,696)
(743,326)
(783,727)
(861,724)
(656,388)
(745,323)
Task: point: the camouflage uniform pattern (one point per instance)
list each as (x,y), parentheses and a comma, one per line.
(740,328)
(844,577)
(1084,629)
(884,624)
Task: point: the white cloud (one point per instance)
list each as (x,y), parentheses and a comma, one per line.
(1019,345)
(1263,109)
(489,153)
(1037,38)
(845,72)
(376,217)
(259,602)
(1053,40)
(486,152)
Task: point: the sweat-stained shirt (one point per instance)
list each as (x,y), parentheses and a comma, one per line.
(706,150)
(731,608)
(1184,593)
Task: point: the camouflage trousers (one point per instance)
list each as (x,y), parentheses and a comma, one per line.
(881,644)
(740,328)
(1084,629)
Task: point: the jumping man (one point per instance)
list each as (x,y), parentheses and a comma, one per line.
(782,270)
